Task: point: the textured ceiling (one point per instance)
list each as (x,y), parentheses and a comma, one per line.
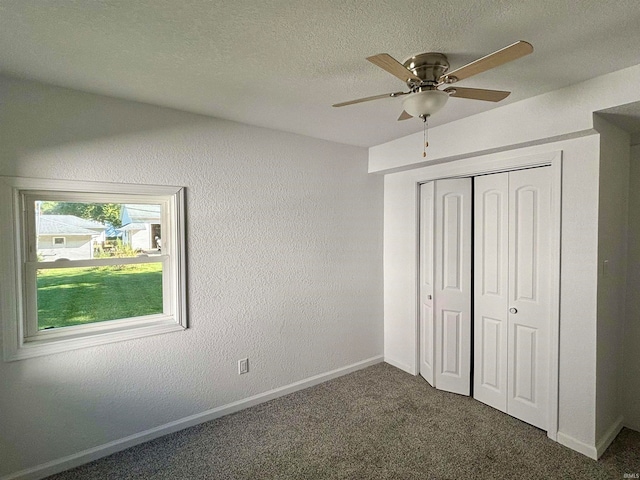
(281,64)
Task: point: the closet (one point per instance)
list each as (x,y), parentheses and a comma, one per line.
(484,289)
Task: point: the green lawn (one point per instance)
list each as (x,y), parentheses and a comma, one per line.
(74,296)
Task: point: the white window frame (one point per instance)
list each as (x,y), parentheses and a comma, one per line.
(64,241)
(19,263)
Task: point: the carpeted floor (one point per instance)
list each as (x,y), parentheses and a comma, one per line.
(377,423)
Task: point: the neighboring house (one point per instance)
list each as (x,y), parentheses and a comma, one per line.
(140,226)
(67,237)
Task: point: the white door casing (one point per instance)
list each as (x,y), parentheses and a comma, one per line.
(452,286)
(427,332)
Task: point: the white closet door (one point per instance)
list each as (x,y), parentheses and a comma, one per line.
(427,333)
(529,295)
(491,274)
(452,289)
(511,293)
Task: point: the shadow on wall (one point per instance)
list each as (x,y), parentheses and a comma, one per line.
(37,117)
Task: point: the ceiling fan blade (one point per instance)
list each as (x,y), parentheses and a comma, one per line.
(404,116)
(366,99)
(495,59)
(394,67)
(477,93)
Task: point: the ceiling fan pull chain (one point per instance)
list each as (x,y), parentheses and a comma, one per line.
(425,134)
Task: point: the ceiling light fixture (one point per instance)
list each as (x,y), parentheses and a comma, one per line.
(422,105)
(425,103)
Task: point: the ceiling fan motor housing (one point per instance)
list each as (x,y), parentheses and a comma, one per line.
(429,67)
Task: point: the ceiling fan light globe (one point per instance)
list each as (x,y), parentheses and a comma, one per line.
(427,102)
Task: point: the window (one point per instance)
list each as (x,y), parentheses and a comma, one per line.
(88,263)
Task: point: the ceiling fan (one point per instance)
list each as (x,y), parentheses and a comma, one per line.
(425,72)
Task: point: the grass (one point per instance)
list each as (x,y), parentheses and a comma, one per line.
(75,296)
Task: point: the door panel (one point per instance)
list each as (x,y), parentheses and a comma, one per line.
(525,242)
(452,248)
(529,302)
(491,270)
(452,292)
(524,365)
(451,339)
(490,368)
(427,334)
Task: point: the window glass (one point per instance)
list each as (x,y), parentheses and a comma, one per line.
(70,295)
(77,296)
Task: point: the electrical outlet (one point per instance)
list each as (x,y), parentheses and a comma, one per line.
(243,366)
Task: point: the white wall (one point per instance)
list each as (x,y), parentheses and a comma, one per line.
(284,237)
(612,275)
(630,378)
(578,294)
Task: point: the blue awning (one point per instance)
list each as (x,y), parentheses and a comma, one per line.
(111,231)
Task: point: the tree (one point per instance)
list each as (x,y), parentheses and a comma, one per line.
(101,212)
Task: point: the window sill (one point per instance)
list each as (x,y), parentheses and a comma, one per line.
(35,347)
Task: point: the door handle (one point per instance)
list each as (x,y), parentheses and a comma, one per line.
(513,310)
(429,297)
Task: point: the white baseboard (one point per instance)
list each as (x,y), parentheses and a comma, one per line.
(580,447)
(401,365)
(609,436)
(85,456)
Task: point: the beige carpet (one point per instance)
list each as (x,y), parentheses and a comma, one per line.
(377,423)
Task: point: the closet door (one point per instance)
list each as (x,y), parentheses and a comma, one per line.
(529,295)
(511,293)
(491,270)
(452,286)
(427,332)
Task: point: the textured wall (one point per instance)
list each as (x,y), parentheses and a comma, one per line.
(578,292)
(630,381)
(284,267)
(613,205)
